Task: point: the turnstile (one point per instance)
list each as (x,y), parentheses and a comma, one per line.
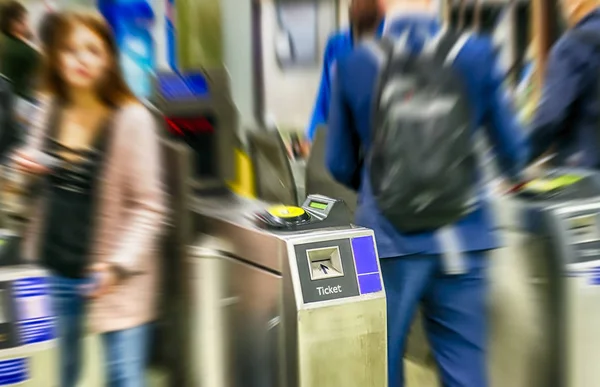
(271,307)
(557,218)
(27,328)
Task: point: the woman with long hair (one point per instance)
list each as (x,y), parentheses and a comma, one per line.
(97,220)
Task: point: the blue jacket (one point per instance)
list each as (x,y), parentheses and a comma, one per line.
(339,45)
(349,133)
(569,112)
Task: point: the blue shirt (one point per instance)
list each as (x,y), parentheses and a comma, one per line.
(338,45)
(349,132)
(568,114)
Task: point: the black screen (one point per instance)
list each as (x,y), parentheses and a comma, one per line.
(198,132)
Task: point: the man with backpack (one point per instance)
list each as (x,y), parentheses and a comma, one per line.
(403,115)
(568,114)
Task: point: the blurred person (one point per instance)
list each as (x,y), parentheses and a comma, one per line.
(19,59)
(525,97)
(96,222)
(568,111)
(365,21)
(445,268)
(48,25)
(9,132)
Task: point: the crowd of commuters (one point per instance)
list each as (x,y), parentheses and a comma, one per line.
(98,205)
(445,269)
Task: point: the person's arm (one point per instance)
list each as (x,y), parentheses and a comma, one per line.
(504,130)
(25,154)
(562,86)
(146,205)
(342,147)
(321,108)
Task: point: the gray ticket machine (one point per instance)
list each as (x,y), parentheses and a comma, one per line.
(285,297)
(558,216)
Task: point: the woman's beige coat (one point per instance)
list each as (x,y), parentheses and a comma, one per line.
(129,218)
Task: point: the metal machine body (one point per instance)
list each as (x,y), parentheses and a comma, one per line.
(559,237)
(28,355)
(287,309)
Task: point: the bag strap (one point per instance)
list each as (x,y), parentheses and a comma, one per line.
(449,46)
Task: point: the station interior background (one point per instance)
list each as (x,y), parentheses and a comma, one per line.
(268,89)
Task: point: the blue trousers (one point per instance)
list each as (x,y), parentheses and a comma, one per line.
(125,351)
(454,311)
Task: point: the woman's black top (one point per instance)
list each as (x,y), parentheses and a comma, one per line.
(72,190)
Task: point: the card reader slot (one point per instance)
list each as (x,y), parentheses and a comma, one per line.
(325,263)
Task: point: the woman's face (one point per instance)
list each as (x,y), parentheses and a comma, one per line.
(84,59)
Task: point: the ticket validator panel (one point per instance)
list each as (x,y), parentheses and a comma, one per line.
(338,269)
(288,280)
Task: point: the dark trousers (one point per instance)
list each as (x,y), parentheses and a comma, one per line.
(454,313)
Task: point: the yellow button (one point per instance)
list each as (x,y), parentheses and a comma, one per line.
(286,212)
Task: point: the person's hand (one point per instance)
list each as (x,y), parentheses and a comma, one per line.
(26,163)
(305,146)
(106,279)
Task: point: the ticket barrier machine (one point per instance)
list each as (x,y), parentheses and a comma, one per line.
(28,355)
(285,296)
(198,110)
(558,218)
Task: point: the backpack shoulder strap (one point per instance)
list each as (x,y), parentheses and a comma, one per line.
(381,49)
(449,46)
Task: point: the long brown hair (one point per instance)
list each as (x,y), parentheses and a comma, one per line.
(112,89)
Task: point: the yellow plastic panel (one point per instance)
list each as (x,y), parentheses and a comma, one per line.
(244,182)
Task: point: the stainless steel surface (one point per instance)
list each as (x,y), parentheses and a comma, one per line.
(252,327)
(559,292)
(236,322)
(230,219)
(583,337)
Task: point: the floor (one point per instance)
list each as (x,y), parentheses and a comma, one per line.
(92,375)
(417,375)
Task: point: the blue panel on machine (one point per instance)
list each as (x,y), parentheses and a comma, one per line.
(13,371)
(367,268)
(181,87)
(34,317)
